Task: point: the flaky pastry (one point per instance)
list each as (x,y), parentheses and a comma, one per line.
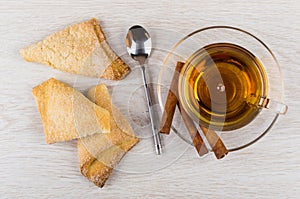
(80,49)
(100,153)
(67,114)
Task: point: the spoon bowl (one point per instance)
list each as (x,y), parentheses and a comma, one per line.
(138,42)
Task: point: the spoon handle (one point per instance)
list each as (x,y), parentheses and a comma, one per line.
(156,137)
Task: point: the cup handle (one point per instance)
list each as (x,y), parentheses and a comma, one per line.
(277,107)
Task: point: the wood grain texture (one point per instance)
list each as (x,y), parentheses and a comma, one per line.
(32,169)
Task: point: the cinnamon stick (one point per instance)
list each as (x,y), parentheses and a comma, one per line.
(213,139)
(197,139)
(170,105)
(169,111)
(215,142)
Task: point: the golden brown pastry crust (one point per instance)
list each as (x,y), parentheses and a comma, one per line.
(67,114)
(81,49)
(100,153)
(116,70)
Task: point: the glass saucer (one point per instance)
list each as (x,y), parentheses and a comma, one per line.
(185,47)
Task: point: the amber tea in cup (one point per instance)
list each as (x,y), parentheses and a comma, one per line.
(224,86)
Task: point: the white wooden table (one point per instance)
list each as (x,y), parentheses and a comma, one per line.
(31,169)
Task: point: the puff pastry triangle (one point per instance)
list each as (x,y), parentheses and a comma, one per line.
(80,49)
(67,114)
(100,153)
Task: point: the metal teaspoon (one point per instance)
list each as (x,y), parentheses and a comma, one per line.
(138,42)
